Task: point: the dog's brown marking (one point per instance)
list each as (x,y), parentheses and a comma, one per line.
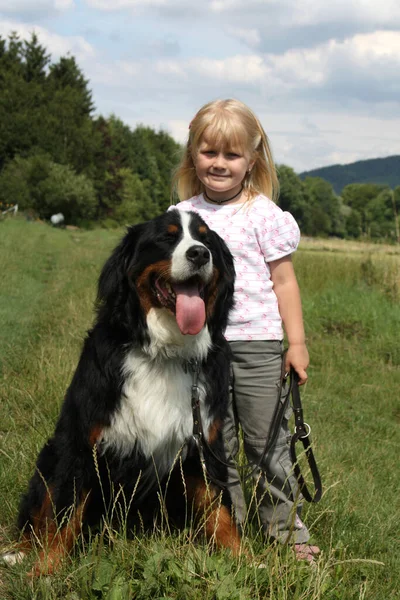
(213,431)
(43,518)
(212,292)
(146,296)
(218,522)
(95,435)
(202,229)
(173,228)
(58,541)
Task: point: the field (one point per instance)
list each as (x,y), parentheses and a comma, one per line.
(351,295)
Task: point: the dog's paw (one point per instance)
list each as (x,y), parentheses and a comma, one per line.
(12,558)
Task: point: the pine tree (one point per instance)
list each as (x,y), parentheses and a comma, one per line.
(66,75)
(35,60)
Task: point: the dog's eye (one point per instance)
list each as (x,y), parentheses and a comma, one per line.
(173,230)
(172,233)
(203,231)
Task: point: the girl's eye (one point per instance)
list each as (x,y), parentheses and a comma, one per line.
(233,155)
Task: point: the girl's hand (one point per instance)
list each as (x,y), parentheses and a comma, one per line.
(297,357)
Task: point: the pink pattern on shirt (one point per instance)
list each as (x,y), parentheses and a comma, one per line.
(256,236)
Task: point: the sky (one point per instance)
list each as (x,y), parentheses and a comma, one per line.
(323,77)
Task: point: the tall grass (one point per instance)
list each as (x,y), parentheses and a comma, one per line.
(352,318)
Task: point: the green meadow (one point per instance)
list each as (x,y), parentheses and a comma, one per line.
(351,300)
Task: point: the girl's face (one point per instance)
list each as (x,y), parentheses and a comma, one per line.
(221,170)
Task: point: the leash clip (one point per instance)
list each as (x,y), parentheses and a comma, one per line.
(301,428)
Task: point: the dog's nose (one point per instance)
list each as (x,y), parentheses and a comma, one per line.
(198,255)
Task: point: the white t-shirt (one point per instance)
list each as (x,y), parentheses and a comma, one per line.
(256,235)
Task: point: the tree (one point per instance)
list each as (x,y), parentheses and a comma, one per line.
(353,224)
(325,207)
(154,156)
(43,108)
(292,194)
(106,167)
(35,60)
(67,192)
(396,211)
(44,187)
(67,75)
(149,155)
(135,205)
(357,196)
(380,215)
(46,111)
(17,132)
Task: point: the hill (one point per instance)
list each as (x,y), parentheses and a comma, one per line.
(375,170)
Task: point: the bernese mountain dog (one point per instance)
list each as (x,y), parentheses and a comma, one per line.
(125,432)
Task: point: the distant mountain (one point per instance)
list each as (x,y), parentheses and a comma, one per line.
(375,170)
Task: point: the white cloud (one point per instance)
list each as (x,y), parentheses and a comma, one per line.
(39,6)
(56,44)
(363,57)
(239,69)
(271,12)
(113,74)
(377,45)
(170,68)
(306,12)
(234,5)
(178,128)
(251,36)
(326,138)
(108,6)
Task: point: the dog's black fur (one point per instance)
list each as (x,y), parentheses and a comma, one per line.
(118,432)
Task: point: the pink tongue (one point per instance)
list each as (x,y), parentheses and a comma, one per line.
(190,309)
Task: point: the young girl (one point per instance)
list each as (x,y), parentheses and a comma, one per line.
(227,175)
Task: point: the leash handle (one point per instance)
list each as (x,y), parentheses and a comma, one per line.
(303,434)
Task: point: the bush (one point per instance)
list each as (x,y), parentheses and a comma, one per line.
(66,192)
(38,184)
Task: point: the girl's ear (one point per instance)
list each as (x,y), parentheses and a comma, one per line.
(251,165)
(193,153)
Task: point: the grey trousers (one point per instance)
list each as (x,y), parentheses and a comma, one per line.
(255,383)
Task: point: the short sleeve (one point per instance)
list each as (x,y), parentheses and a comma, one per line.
(185,205)
(279,237)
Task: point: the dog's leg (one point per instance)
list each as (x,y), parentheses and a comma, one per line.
(52,511)
(57,539)
(209,506)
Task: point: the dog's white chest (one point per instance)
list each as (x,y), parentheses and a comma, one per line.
(155,411)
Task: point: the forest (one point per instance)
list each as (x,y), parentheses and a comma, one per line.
(58,156)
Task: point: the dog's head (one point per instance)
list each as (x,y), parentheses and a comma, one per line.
(172,270)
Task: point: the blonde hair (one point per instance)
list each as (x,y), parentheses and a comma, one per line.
(232,125)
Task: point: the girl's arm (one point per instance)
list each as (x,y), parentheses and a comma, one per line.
(287,291)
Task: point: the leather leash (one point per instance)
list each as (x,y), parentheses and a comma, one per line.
(303,434)
(300,433)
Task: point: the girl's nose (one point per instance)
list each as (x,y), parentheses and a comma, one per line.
(219,161)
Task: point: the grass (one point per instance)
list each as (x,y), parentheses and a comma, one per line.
(352,316)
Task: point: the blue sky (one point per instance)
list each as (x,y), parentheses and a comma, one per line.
(324,78)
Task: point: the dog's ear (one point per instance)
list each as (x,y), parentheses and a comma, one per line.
(114,273)
(224,300)
(116,294)
(225,255)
